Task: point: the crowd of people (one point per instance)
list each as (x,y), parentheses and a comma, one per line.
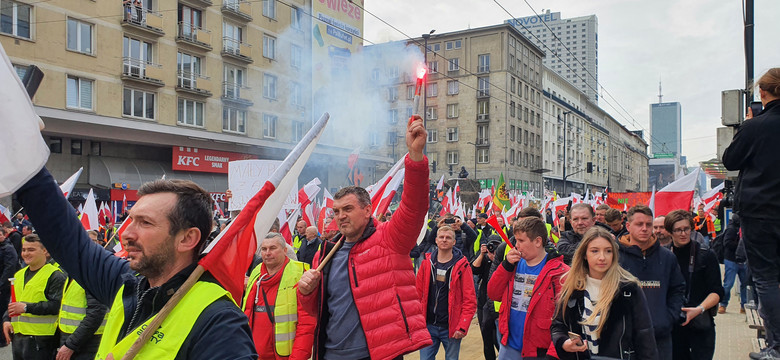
(603,284)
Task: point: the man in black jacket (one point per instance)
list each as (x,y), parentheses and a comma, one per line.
(753,153)
(8,265)
(15,238)
(309,245)
(170,223)
(658,273)
(582,219)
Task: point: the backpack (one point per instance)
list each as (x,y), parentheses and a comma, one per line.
(718,247)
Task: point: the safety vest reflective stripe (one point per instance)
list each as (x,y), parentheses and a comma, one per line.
(281,338)
(34,292)
(168,339)
(285,318)
(74,309)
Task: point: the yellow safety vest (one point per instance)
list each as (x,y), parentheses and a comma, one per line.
(286,305)
(74,309)
(550,235)
(497,304)
(477,245)
(167,340)
(296,243)
(34,292)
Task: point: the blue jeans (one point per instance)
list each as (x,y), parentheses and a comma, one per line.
(762,243)
(440,336)
(732,271)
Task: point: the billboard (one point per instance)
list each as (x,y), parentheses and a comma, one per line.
(661,175)
(204,160)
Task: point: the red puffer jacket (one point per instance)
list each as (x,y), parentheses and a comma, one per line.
(536,332)
(382,277)
(462,298)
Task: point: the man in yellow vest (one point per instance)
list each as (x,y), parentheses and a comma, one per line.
(170,223)
(300,235)
(81,321)
(280,328)
(33,316)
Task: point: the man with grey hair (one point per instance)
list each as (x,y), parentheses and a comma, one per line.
(309,245)
(582,219)
(279,325)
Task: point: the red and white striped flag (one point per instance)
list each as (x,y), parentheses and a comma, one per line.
(228,257)
(377,190)
(89,217)
(119,249)
(68,185)
(677,195)
(306,200)
(5,214)
(325,210)
(389,193)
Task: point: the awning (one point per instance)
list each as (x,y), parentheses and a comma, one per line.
(105,171)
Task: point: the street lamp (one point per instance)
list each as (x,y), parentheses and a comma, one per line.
(475,159)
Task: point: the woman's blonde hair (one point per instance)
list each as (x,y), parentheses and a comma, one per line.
(575,279)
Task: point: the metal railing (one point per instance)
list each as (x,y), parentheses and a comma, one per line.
(143,17)
(141,69)
(236,47)
(233,91)
(193,81)
(194,33)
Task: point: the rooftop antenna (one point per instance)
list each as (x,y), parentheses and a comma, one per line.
(660,94)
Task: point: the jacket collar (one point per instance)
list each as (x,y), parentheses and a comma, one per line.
(625,243)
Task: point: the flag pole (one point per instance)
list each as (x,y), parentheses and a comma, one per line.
(146,335)
(332,252)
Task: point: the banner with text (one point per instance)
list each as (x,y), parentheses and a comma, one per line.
(204,160)
(246,178)
(620,200)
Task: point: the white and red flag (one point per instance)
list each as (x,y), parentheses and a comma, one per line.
(68,185)
(677,195)
(389,193)
(287,224)
(124,203)
(377,190)
(228,257)
(119,249)
(325,210)
(102,213)
(5,214)
(89,217)
(306,199)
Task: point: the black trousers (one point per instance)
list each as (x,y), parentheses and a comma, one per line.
(487,326)
(5,298)
(692,344)
(26,347)
(762,244)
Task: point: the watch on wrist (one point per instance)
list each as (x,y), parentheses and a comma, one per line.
(25,308)
(702,309)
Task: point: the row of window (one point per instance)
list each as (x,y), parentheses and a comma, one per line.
(523,137)
(76,145)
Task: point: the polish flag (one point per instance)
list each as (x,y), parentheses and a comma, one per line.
(89,217)
(102,214)
(440,184)
(711,198)
(651,203)
(219,210)
(325,210)
(228,257)
(119,249)
(306,200)
(309,213)
(677,195)
(68,185)
(445,203)
(389,193)
(287,224)
(377,190)
(559,205)
(5,214)
(124,203)
(493,221)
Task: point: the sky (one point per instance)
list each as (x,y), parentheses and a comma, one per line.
(695,47)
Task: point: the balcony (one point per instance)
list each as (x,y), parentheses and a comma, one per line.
(195,84)
(481,118)
(482,142)
(198,3)
(142,71)
(194,35)
(236,49)
(238,9)
(236,93)
(148,21)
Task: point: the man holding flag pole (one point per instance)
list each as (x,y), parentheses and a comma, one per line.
(363,291)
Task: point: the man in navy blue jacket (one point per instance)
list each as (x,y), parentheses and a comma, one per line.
(171,221)
(658,273)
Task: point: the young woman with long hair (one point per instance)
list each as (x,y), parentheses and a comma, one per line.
(602,305)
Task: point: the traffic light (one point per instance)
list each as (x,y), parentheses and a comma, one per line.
(590,167)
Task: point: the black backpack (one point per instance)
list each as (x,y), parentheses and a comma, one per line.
(718,247)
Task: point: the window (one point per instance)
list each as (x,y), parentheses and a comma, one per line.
(137,56)
(434,47)
(482,135)
(188,70)
(433,135)
(454,64)
(269,47)
(392,72)
(450,45)
(55,145)
(79,93)
(483,156)
(190,112)
(410,92)
(295,56)
(375,74)
(483,63)
(15,19)
(233,79)
(269,126)
(532,139)
(75,147)
(234,120)
(432,90)
(21,70)
(295,18)
(512,108)
(483,108)
(483,85)
(269,86)
(433,67)
(297,130)
(452,134)
(538,141)
(452,111)
(79,36)
(297,98)
(137,103)
(452,157)
(432,113)
(511,133)
(269,8)
(373,139)
(392,93)
(409,112)
(392,116)
(233,36)
(525,137)
(512,85)
(452,87)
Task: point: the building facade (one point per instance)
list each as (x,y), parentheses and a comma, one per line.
(554,35)
(175,88)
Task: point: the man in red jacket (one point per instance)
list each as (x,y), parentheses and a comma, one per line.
(527,282)
(446,283)
(365,298)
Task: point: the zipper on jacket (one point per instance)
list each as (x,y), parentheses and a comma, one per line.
(403,315)
(354,272)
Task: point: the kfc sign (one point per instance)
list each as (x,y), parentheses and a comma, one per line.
(212,161)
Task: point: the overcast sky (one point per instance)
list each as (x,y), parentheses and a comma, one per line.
(694,46)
